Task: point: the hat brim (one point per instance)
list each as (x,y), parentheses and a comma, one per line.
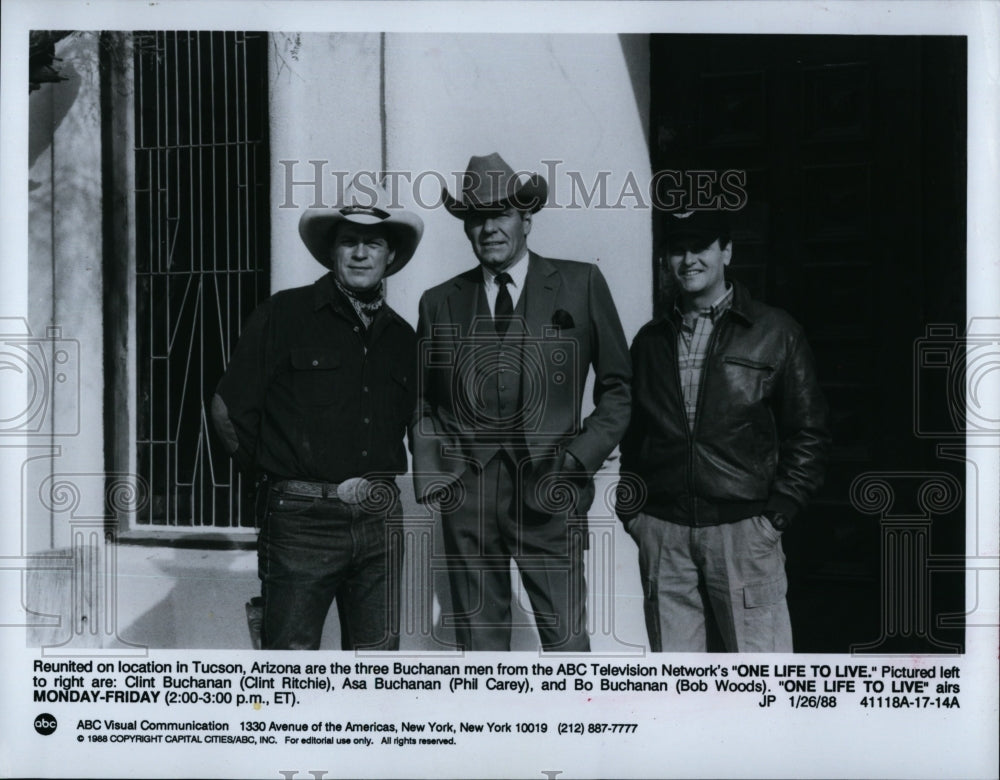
(530,196)
(690,240)
(316,227)
(695,228)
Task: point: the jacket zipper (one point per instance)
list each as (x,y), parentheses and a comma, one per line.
(692,429)
(680,391)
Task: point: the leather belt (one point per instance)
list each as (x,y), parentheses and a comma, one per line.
(350,491)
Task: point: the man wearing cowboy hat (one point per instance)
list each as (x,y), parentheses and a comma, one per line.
(729,436)
(498,443)
(315,403)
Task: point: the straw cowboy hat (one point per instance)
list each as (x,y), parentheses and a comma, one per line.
(362,206)
(490,184)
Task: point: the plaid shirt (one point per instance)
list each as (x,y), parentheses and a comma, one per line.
(693,337)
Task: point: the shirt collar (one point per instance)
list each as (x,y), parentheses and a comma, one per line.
(325,292)
(518,273)
(719,307)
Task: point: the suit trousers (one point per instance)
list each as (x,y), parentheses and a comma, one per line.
(482,534)
(710,585)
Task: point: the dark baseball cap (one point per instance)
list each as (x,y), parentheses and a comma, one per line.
(695,230)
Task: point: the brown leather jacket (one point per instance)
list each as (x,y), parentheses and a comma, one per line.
(760,438)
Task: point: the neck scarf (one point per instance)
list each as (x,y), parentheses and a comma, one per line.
(366,303)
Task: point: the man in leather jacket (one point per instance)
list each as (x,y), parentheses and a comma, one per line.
(727,442)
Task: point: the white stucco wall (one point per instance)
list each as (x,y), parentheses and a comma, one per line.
(64,290)
(325,106)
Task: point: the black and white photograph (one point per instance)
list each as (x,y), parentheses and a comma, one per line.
(500,389)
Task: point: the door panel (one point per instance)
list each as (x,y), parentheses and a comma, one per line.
(852,147)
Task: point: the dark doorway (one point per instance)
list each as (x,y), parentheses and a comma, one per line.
(854,152)
(202,258)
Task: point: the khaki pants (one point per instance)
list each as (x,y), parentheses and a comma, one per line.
(726,581)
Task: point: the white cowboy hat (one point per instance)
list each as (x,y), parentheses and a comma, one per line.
(362,206)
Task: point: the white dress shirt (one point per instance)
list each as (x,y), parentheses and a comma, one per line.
(518,273)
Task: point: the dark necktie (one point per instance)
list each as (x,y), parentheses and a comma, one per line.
(504,309)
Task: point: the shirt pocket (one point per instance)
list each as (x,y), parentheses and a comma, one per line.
(316,376)
(748,380)
(749,387)
(736,360)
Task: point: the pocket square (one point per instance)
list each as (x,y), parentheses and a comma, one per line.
(562,319)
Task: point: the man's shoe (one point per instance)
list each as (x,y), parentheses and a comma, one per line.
(255,619)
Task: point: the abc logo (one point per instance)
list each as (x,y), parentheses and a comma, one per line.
(45,724)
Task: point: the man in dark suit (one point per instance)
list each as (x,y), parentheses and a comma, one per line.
(498,444)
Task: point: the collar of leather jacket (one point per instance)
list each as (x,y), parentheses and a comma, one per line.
(742,306)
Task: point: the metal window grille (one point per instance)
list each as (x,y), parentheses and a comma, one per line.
(202,265)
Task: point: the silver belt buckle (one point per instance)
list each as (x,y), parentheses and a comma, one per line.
(354,490)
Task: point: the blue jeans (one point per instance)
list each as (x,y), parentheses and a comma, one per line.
(312,550)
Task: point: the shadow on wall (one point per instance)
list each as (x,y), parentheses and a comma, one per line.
(174,598)
(182,598)
(201,596)
(163,598)
(635,51)
(50,104)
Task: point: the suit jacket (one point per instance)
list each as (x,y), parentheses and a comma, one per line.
(570,325)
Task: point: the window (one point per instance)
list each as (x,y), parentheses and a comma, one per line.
(202,259)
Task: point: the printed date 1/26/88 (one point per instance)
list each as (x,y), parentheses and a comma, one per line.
(598,728)
(818,702)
